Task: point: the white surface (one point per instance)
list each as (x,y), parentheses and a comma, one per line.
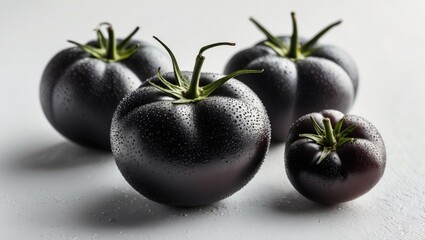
(52,189)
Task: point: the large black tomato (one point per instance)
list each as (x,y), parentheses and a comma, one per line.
(192,143)
(299,76)
(82,86)
(332,158)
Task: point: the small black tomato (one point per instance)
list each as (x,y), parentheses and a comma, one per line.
(332,158)
(299,76)
(82,86)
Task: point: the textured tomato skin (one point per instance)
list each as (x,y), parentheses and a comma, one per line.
(326,79)
(190,154)
(79,93)
(345,174)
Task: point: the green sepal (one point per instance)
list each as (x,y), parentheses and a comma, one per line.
(101,39)
(123,44)
(211,87)
(326,151)
(177,72)
(346,131)
(343,141)
(97,53)
(329,139)
(280,51)
(272,42)
(314,137)
(165,90)
(319,130)
(169,85)
(127,53)
(108,51)
(307,47)
(338,126)
(294,51)
(186,92)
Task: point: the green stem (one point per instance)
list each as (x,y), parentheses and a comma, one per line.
(193,92)
(203,49)
(293,48)
(111,52)
(108,51)
(329,139)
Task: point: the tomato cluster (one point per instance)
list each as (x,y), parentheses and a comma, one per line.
(192,138)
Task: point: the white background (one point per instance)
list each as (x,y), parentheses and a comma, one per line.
(53,189)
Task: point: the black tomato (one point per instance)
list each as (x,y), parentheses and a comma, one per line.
(299,76)
(332,158)
(191,143)
(82,86)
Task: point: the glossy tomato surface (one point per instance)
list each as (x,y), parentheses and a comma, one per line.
(193,153)
(348,172)
(79,93)
(290,88)
(300,75)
